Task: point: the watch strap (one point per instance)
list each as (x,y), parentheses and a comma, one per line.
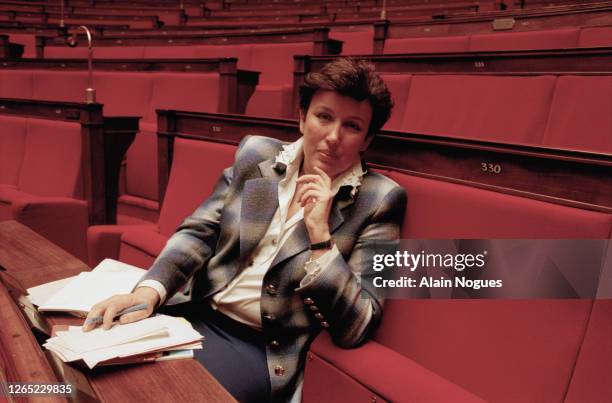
(322,245)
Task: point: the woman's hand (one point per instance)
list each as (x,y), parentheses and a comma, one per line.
(315,195)
(111,306)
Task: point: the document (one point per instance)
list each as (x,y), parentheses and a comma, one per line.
(40,294)
(89,288)
(159,337)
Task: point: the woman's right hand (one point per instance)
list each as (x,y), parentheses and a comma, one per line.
(111,306)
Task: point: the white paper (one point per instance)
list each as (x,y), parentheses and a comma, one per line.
(41,293)
(89,288)
(158,333)
(112,265)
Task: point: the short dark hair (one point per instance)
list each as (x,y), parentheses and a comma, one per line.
(356,79)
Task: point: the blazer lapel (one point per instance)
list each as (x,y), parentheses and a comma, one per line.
(259,203)
(299,241)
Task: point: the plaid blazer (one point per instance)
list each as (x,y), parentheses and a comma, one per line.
(214,244)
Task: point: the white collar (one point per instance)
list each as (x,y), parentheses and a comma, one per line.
(291,156)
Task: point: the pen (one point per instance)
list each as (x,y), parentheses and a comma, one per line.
(99,319)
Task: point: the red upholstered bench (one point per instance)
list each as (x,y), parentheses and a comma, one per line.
(531,40)
(40,168)
(497,108)
(462,350)
(196,166)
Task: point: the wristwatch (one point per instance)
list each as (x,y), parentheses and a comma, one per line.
(322,245)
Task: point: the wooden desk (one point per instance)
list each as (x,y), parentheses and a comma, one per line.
(30,260)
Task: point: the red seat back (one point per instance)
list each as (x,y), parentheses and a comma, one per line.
(12,146)
(591,37)
(52,159)
(124,93)
(197,92)
(496,108)
(581,114)
(532,40)
(196,168)
(275,61)
(399,86)
(427,45)
(16,84)
(141,166)
(66,86)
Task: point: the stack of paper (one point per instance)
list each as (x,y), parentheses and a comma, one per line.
(144,340)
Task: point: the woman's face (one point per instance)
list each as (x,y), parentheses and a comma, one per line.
(334,129)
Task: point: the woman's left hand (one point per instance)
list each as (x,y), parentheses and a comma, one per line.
(316,197)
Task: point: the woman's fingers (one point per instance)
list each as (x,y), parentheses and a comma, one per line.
(96,311)
(311,179)
(107,310)
(311,196)
(135,316)
(305,188)
(109,315)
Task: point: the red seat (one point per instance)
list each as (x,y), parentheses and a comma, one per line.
(462,350)
(47,193)
(580,116)
(195,169)
(272,96)
(129,94)
(496,108)
(197,92)
(138,199)
(531,40)
(124,93)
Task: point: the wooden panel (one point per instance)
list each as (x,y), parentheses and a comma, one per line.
(20,356)
(577,179)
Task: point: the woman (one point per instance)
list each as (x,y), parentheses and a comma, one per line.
(274,255)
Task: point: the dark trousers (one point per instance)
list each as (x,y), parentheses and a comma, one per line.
(232,352)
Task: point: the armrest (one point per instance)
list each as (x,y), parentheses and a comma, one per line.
(381,370)
(104,241)
(61,220)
